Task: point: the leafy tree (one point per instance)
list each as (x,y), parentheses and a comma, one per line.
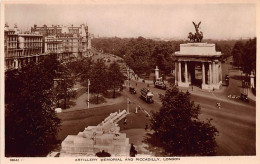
(65,82)
(115,77)
(163,57)
(237,53)
(98,78)
(249,56)
(31,124)
(177,128)
(80,68)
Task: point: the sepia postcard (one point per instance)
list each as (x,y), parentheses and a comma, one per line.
(120,81)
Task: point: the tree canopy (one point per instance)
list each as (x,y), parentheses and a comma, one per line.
(177,128)
(115,77)
(142,55)
(244,55)
(98,78)
(31,124)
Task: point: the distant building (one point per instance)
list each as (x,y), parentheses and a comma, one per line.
(76,39)
(64,42)
(21,48)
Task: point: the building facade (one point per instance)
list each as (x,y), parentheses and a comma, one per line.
(198,64)
(76,39)
(21,48)
(64,42)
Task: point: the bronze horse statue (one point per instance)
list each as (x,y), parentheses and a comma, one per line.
(198,36)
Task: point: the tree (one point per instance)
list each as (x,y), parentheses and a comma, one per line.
(31,124)
(237,53)
(80,68)
(65,82)
(163,57)
(98,78)
(115,77)
(249,56)
(177,128)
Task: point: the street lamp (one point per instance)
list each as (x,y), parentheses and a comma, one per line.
(242,81)
(88,91)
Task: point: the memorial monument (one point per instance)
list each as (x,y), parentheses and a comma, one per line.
(103,137)
(195,59)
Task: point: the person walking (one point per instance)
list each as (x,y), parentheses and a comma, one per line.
(218,105)
(133,152)
(125,121)
(146,127)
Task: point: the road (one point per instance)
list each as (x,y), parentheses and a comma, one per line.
(235,121)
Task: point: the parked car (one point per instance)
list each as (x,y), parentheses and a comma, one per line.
(244,97)
(132,90)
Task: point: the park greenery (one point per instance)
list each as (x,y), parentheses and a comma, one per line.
(178,129)
(31,124)
(34,91)
(244,55)
(102,78)
(142,55)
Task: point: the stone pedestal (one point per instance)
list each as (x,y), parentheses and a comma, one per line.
(252,81)
(105,136)
(156,72)
(184,84)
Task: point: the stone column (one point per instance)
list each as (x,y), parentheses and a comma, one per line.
(210,74)
(217,73)
(176,73)
(203,73)
(213,73)
(186,72)
(157,73)
(220,72)
(252,81)
(179,71)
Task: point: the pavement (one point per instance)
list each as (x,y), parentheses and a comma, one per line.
(81,103)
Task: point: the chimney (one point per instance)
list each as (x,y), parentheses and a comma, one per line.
(6,27)
(16,29)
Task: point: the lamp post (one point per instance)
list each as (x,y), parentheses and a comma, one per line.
(88,91)
(242,81)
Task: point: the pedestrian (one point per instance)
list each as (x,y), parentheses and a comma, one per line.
(218,105)
(146,127)
(125,123)
(192,88)
(133,152)
(136,110)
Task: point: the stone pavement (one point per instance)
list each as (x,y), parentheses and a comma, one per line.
(81,103)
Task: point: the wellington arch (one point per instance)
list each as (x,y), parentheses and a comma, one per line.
(198,63)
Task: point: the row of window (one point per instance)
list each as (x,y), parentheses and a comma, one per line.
(12,38)
(33,39)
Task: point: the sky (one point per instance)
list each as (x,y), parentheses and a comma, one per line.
(218,21)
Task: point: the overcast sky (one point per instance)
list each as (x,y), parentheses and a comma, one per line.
(219,21)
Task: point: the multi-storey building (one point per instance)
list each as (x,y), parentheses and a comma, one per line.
(21,48)
(10,47)
(76,39)
(64,42)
